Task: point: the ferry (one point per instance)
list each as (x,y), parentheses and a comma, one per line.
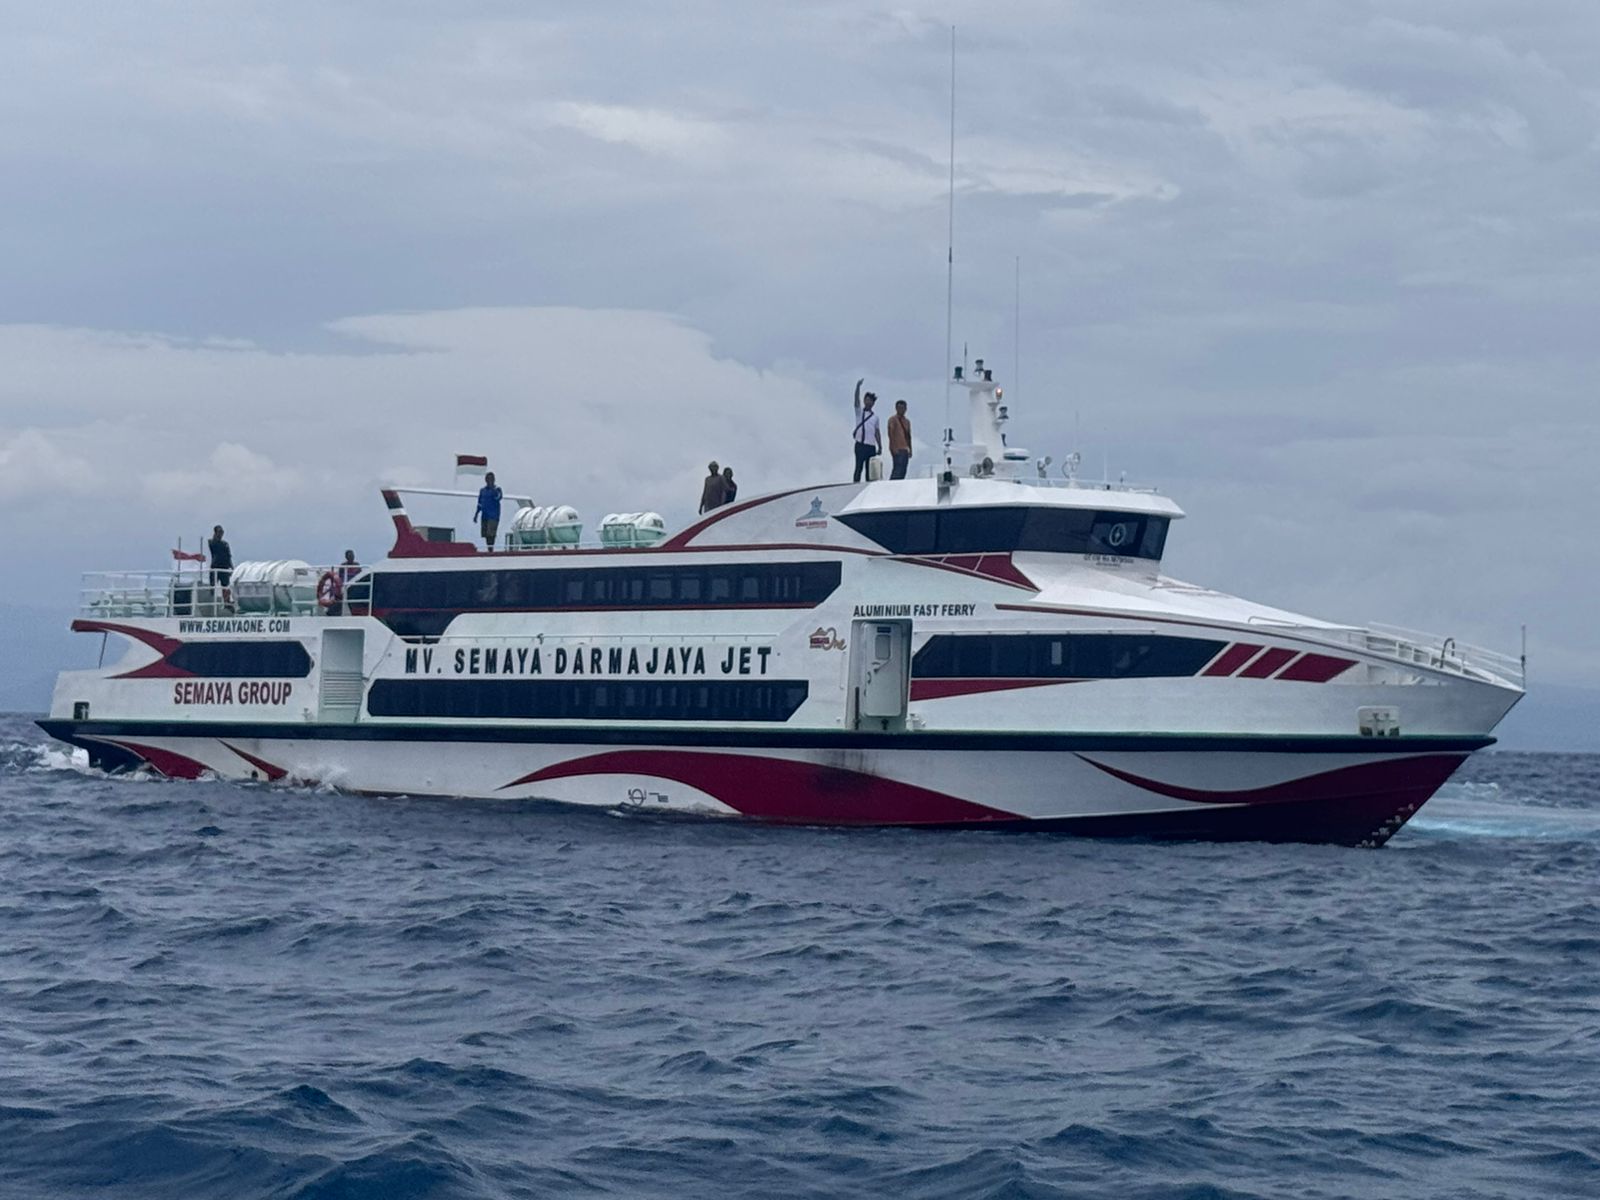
(983,647)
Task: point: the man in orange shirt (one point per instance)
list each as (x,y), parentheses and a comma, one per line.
(899,440)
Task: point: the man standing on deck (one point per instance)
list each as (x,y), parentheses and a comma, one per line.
(221,564)
(869,440)
(714,491)
(488,510)
(349,568)
(899,440)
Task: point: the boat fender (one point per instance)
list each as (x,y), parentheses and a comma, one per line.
(330,590)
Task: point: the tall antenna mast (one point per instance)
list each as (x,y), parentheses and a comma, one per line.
(1016,336)
(950,260)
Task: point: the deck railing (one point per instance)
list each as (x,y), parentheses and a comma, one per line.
(1412,647)
(110,594)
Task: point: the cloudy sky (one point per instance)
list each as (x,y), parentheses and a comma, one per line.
(1324,271)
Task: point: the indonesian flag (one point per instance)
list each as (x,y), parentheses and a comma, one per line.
(185,556)
(471,464)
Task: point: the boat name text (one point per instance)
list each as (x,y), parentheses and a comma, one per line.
(610,661)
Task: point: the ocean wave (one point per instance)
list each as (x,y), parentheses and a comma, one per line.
(242,990)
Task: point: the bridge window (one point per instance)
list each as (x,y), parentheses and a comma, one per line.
(997,529)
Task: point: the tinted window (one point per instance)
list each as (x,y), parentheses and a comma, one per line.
(1062,656)
(421,603)
(998,529)
(267,660)
(767,700)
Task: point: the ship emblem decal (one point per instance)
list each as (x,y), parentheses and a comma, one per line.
(826,639)
(815,518)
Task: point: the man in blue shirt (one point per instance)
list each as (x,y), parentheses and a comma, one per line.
(489,510)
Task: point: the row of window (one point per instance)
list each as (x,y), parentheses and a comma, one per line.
(608,587)
(238,660)
(999,529)
(1062,656)
(612,700)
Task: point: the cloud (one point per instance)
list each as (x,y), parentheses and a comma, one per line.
(611,410)
(232,478)
(32,466)
(1325,271)
(653,131)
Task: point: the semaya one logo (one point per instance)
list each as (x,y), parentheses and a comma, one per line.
(826,639)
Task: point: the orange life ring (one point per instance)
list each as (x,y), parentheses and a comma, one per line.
(329,590)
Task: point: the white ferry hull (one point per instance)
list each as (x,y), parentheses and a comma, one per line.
(1350,791)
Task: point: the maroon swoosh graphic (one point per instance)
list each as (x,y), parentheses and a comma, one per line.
(1231,659)
(1423,773)
(272,773)
(160,643)
(170,763)
(779,789)
(1316,668)
(1271,659)
(996,567)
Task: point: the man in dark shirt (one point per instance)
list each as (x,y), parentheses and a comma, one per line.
(714,491)
(221,563)
(489,510)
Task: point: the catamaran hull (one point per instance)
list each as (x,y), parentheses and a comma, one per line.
(1340,790)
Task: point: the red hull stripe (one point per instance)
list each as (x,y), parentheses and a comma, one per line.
(1422,774)
(170,763)
(938,689)
(1269,662)
(1231,659)
(779,789)
(272,773)
(1316,668)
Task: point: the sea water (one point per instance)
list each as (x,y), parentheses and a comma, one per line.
(219,989)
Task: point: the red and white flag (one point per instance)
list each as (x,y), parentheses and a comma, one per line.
(186,556)
(471,464)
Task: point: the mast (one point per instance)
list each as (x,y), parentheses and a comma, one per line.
(1016,335)
(950,260)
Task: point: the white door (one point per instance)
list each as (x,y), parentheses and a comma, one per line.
(341,681)
(881,656)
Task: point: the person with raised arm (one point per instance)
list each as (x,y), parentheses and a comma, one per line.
(868,437)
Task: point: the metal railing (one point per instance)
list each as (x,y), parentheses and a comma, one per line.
(110,594)
(1410,647)
(1445,653)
